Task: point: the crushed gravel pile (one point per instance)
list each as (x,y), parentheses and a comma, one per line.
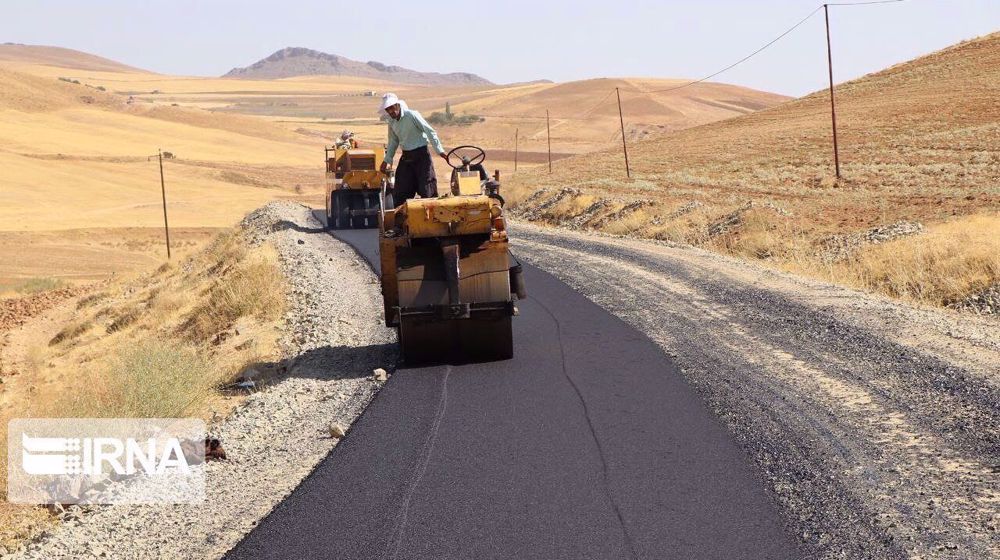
(529,210)
(623,212)
(842,247)
(734,219)
(14,312)
(334,340)
(685,209)
(581,220)
(985,302)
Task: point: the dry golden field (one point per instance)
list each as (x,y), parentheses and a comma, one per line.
(80,198)
(919,142)
(76,131)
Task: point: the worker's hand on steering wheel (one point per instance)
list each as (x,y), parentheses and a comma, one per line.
(385,167)
(444,155)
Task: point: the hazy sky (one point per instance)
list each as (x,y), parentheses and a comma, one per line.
(512,40)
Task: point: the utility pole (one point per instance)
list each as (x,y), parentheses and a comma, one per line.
(621,119)
(163,192)
(516,131)
(548,135)
(833,107)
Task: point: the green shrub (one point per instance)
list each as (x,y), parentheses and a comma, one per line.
(153,379)
(38,285)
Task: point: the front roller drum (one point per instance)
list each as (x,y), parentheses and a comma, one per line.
(339,216)
(476,339)
(353,209)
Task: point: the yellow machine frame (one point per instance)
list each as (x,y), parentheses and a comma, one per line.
(353,186)
(447,279)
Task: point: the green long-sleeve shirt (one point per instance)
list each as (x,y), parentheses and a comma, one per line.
(411,131)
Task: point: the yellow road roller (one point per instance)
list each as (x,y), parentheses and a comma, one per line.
(353,186)
(449,282)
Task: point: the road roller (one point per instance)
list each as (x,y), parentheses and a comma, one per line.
(449,281)
(353,186)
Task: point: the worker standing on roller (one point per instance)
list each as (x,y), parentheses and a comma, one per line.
(346,141)
(407,129)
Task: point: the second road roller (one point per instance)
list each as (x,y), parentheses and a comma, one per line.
(353,183)
(449,281)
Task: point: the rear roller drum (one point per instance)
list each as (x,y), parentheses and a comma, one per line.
(485,339)
(424,342)
(477,339)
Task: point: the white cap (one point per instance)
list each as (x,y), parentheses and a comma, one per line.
(388,100)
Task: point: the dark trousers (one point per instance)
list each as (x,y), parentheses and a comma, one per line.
(415,175)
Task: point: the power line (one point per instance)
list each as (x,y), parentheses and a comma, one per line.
(744,59)
(698,81)
(585,114)
(864,3)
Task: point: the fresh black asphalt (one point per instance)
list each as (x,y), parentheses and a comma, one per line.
(588,444)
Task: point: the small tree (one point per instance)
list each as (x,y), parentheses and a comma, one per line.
(447,110)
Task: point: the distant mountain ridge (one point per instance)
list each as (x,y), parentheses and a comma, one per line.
(297,61)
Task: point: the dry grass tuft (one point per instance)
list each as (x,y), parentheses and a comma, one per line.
(90,300)
(34,286)
(152,379)
(71,331)
(124,317)
(940,267)
(251,289)
(759,234)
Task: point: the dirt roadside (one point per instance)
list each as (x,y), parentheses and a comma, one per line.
(332,341)
(876,424)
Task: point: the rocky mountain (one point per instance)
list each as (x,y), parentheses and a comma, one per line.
(297,61)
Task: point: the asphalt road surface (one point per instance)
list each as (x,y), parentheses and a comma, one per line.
(588,444)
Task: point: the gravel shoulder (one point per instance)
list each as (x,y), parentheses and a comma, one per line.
(876,423)
(332,342)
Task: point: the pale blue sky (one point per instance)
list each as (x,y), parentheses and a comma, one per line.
(512,40)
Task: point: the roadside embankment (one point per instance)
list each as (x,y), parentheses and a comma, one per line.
(291,406)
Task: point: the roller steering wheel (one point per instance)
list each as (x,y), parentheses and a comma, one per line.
(480,157)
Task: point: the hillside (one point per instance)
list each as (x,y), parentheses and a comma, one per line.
(77,157)
(919,142)
(58,56)
(60,179)
(296,61)
(584,114)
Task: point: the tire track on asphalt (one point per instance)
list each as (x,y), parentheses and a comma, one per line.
(597,441)
(421,469)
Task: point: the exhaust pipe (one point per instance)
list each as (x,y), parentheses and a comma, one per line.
(517,282)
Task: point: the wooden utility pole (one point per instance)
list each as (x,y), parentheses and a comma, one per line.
(516,132)
(833,107)
(548,135)
(163,191)
(621,119)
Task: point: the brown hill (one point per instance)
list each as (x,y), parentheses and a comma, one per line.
(920,141)
(663,109)
(58,56)
(584,114)
(296,61)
